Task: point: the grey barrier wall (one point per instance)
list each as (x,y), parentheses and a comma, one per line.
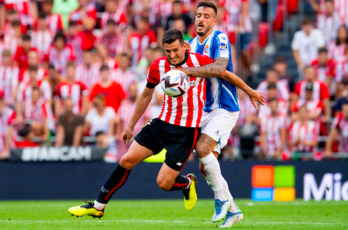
(82,180)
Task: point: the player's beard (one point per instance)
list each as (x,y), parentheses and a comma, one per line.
(201,34)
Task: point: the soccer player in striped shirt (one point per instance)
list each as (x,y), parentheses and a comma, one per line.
(180,119)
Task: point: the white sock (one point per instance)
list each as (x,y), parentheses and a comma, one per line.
(212,167)
(233,207)
(208,182)
(98,206)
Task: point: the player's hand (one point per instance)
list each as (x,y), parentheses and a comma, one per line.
(187,46)
(257,97)
(183,70)
(127,135)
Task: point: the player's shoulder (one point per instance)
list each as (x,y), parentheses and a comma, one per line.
(204,59)
(192,40)
(220,36)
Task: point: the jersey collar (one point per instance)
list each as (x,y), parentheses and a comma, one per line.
(181,63)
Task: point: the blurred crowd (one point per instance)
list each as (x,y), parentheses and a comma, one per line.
(71,69)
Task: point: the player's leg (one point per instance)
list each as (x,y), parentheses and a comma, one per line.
(217,126)
(169,179)
(136,153)
(210,168)
(179,142)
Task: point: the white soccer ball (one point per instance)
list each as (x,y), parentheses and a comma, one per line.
(175,83)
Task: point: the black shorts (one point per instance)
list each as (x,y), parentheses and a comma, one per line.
(179,141)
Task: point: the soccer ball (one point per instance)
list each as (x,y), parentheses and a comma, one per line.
(175,83)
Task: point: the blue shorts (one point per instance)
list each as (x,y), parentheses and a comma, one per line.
(244,40)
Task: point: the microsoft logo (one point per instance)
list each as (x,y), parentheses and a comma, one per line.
(273,183)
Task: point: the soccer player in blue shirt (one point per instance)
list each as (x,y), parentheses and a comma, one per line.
(221,109)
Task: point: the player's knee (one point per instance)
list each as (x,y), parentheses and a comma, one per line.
(127,162)
(202,149)
(164,184)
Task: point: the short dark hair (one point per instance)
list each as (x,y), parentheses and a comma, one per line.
(345,80)
(271,85)
(24,131)
(280,60)
(35,88)
(15,23)
(70,64)
(207,4)
(51,66)
(177,2)
(104,67)
(42,15)
(59,35)
(171,36)
(322,50)
(26,37)
(33,68)
(111,21)
(307,21)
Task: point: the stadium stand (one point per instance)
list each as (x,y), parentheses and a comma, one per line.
(84,62)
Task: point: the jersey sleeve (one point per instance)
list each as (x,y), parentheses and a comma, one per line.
(324,91)
(222,47)
(153,76)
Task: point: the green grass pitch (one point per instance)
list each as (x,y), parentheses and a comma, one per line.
(170,214)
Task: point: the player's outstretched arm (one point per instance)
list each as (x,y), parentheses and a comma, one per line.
(254,95)
(140,108)
(216,69)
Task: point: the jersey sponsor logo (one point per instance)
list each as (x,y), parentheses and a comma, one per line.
(223,46)
(192,83)
(179,164)
(206,48)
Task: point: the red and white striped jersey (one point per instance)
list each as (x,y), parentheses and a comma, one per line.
(320,90)
(341,124)
(305,132)
(329,26)
(75,16)
(341,69)
(138,43)
(337,52)
(324,71)
(119,17)
(87,76)
(311,105)
(7,118)
(38,112)
(341,6)
(282,89)
(273,126)
(76,44)
(246,108)
(11,43)
(8,81)
(185,110)
(75,91)
(42,41)
(126,111)
(123,78)
(265,110)
(25,91)
(60,58)
(23,8)
(41,74)
(234,7)
(55,22)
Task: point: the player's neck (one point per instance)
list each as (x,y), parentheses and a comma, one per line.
(201,39)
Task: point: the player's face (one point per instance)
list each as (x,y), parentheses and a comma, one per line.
(35,96)
(175,52)
(309,74)
(205,20)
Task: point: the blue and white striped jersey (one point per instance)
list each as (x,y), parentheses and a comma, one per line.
(219,93)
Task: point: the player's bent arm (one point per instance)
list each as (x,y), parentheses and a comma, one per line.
(328,146)
(141,106)
(216,69)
